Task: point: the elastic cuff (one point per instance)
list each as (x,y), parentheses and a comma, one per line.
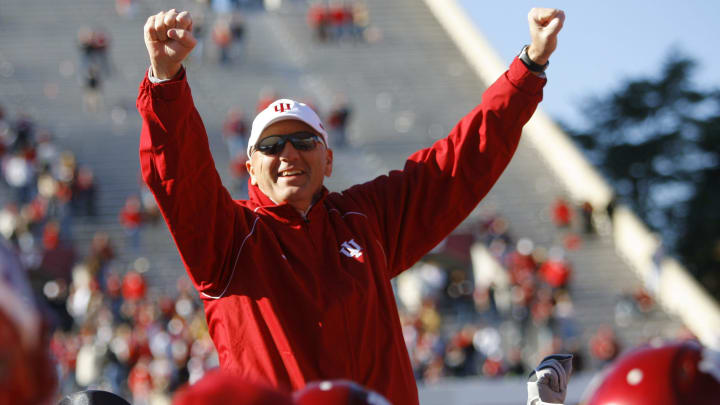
(167,90)
(153,79)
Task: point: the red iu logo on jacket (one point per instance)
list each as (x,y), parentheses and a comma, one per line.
(282,107)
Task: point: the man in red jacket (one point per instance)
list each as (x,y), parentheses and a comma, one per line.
(296,280)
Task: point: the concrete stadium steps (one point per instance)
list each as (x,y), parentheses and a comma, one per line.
(406,90)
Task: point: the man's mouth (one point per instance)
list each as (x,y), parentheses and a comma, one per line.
(290,173)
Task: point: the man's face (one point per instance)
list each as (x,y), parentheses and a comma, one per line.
(291,176)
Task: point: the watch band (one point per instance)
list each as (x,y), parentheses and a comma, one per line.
(529,63)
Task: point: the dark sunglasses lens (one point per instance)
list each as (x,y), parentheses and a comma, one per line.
(271,145)
(302,142)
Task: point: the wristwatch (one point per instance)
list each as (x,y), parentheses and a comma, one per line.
(529,63)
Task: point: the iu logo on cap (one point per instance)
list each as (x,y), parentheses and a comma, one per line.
(281,107)
(350,248)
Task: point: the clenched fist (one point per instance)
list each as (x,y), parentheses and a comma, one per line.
(169,40)
(545,24)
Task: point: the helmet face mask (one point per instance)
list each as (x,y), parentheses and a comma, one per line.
(671,374)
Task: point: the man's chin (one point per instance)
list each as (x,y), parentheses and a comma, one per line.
(291,194)
(296,196)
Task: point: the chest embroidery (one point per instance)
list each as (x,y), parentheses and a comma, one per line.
(351,249)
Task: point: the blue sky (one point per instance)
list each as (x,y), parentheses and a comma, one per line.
(604,43)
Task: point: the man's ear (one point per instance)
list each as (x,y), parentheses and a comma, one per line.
(251,172)
(329,162)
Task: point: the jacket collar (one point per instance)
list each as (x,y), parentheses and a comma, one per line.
(284,212)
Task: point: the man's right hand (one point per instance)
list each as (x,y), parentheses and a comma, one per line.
(169,40)
(545,24)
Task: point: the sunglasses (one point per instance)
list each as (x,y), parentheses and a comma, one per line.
(274,144)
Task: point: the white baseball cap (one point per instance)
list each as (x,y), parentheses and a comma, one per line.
(285,109)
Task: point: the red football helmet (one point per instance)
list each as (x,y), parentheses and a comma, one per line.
(672,374)
(337,392)
(220,388)
(27,374)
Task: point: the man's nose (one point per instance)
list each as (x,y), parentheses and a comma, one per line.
(288,151)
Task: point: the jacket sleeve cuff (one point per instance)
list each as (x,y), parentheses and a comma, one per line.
(166,90)
(525,80)
(153,79)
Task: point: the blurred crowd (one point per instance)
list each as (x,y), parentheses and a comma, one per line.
(338,20)
(110,332)
(486,303)
(46,188)
(476,318)
(129,341)
(220,32)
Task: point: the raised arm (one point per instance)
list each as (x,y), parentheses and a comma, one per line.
(176,162)
(439,186)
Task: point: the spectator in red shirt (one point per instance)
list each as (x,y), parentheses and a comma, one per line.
(223,39)
(318,20)
(555,271)
(84,192)
(561,213)
(604,346)
(338,120)
(131,219)
(58,254)
(340,19)
(140,381)
(133,286)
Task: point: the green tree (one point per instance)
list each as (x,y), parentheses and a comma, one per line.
(658,141)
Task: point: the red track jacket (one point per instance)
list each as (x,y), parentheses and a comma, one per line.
(291,300)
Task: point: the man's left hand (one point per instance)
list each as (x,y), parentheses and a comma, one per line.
(545,24)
